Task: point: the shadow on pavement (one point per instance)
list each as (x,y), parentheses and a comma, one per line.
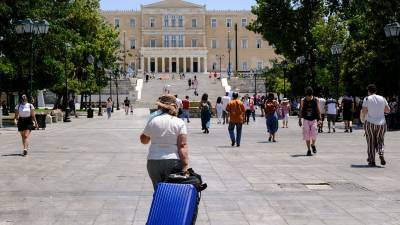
(6,155)
(365,166)
(299,155)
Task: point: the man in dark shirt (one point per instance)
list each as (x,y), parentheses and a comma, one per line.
(348,110)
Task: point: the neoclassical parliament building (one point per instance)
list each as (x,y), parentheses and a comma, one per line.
(177,36)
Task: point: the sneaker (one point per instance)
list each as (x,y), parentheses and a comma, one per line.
(329,131)
(314,149)
(334,130)
(233,143)
(238,145)
(371,164)
(25,152)
(269,139)
(309,153)
(351,130)
(383,162)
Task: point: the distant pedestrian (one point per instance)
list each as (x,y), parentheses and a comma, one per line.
(72,107)
(236,111)
(26,121)
(374,109)
(348,110)
(131,108)
(126,105)
(147,77)
(285,107)
(186,109)
(219,109)
(109,107)
(225,101)
(179,105)
(253,108)
(310,113)
(190,83)
(262,105)
(331,113)
(271,107)
(246,103)
(205,109)
(322,103)
(195,86)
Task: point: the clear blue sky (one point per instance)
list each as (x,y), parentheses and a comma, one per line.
(211,4)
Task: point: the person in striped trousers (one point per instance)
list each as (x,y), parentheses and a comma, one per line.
(374,109)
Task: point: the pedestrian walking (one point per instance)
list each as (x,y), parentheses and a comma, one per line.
(374,109)
(190,83)
(253,108)
(310,113)
(109,107)
(185,109)
(348,110)
(246,103)
(219,109)
(195,85)
(236,112)
(285,107)
(331,106)
(131,108)
(271,107)
(179,105)
(26,121)
(225,101)
(322,104)
(72,107)
(205,108)
(126,105)
(168,151)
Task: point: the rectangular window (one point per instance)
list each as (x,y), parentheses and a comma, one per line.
(194,23)
(173,21)
(166,41)
(259,65)
(244,22)
(194,43)
(132,23)
(180,42)
(213,23)
(173,44)
(166,21)
(214,43)
(228,22)
(180,21)
(258,43)
(244,66)
(116,22)
(152,22)
(152,43)
(244,43)
(133,44)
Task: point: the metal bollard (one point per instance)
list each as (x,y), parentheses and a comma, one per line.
(1,116)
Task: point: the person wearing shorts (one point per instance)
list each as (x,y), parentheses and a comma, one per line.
(311,115)
(331,110)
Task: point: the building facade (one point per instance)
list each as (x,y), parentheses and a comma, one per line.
(176,36)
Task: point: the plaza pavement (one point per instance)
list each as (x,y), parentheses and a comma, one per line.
(93,172)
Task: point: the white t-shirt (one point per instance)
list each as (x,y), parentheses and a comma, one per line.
(376,109)
(24,110)
(163,131)
(225,102)
(179,103)
(219,107)
(322,102)
(246,104)
(331,106)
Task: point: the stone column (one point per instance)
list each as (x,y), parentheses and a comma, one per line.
(184,64)
(191,64)
(163,64)
(156,64)
(170,65)
(149,64)
(177,64)
(205,64)
(198,65)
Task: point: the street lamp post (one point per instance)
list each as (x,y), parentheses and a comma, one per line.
(255,81)
(220,57)
(32,28)
(284,66)
(99,68)
(66,103)
(229,56)
(112,108)
(336,50)
(392,30)
(116,86)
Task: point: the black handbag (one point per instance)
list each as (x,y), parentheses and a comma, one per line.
(190,177)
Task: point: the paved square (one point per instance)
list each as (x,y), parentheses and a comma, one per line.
(93,172)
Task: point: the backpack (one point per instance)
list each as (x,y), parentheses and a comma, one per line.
(270,107)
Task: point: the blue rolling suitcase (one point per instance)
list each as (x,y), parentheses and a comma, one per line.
(174,204)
